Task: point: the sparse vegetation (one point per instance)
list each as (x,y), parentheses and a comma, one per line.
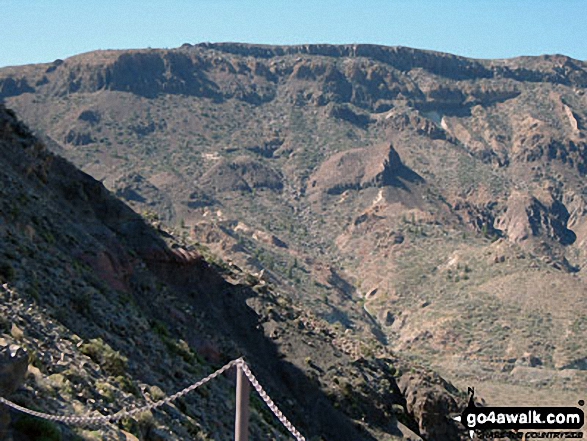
(110,360)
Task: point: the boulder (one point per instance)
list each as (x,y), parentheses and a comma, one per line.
(14,363)
(431,401)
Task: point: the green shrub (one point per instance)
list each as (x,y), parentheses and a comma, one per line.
(37,429)
(82,303)
(7,273)
(110,360)
(159,328)
(127,385)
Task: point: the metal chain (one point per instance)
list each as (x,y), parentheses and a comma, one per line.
(78,420)
(268,401)
(240,363)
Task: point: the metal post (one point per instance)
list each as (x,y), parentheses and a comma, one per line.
(243,389)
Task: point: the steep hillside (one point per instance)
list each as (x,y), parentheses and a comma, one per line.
(432,202)
(115,312)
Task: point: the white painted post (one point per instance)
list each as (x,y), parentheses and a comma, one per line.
(243,390)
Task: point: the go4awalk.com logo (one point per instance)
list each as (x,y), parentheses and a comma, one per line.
(502,422)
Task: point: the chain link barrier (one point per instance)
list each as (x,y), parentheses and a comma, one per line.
(240,363)
(79,420)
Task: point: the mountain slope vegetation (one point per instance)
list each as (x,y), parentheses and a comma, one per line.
(432,204)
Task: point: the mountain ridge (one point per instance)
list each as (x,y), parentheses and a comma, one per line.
(563,69)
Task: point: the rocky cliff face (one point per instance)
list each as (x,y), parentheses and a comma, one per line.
(359,169)
(369,76)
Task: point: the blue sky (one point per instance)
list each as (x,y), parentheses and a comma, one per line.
(33,31)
